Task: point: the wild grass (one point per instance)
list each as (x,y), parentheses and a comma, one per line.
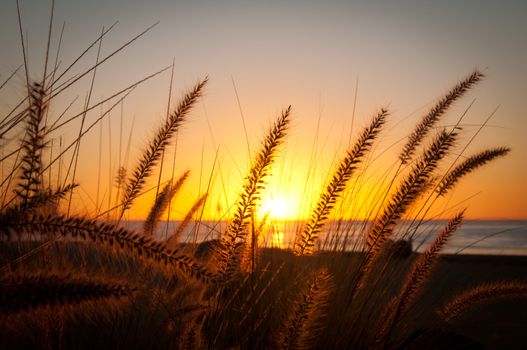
(228,254)
(115,237)
(301,330)
(161,204)
(469,299)
(178,233)
(422,129)
(345,170)
(467,166)
(28,292)
(161,140)
(242,294)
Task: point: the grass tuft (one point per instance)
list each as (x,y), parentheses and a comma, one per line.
(430,119)
(484,293)
(346,168)
(303,324)
(247,203)
(161,204)
(26,292)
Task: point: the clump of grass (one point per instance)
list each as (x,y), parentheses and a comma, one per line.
(161,204)
(186,220)
(303,325)
(467,300)
(410,189)
(26,292)
(254,184)
(328,198)
(97,232)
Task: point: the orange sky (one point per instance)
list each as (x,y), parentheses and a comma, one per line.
(308,54)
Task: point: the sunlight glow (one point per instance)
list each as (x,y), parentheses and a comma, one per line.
(277,208)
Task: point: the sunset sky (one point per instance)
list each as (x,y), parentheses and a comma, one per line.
(312,55)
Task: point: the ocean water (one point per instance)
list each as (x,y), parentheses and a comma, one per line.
(488,237)
(473,237)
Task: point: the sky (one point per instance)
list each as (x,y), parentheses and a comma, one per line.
(260,57)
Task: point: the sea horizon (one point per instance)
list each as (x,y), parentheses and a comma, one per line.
(474,237)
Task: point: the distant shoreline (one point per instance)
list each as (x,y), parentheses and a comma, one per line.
(474,237)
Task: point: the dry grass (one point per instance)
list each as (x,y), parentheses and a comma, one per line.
(340,178)
(302,328)
(157,145)
(33,143)
(423,128)
(228,253)
(178,233)
(467,300)
(467,166)
(161,204)
(31,292)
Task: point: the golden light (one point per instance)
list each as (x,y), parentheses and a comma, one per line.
(278,239)
(276,207)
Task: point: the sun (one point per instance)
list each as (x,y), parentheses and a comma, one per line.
(277,208)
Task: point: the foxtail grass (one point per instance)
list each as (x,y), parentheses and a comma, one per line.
(411,188)
(484,293)
(135,244)
(347,166)
(45,198)
(178,233)
(430,119)
(468,165)
(190,338)
(302,327)
(161,204)
(245,297)
(422,268)
(250,252)
(157,145)
(33,143)
(254,184)
(414,282)
(27,292)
